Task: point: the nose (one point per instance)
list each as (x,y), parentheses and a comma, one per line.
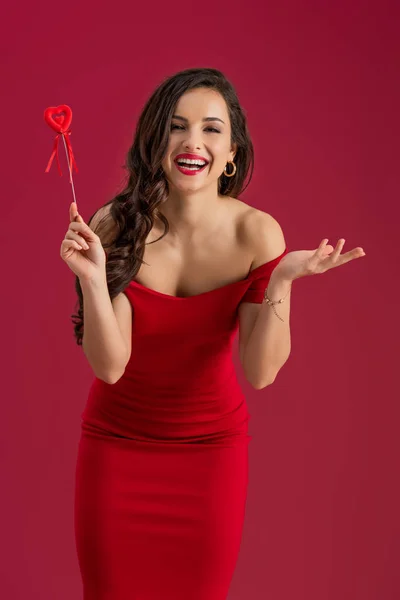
(192,141)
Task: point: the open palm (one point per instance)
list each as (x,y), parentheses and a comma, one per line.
(311,262)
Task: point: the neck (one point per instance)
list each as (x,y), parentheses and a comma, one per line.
(188,213)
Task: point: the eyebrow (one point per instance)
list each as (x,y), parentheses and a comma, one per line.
(205,119)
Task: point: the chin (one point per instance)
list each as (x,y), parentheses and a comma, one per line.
(189,187)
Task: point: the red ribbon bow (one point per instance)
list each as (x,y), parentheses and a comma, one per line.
(60,123)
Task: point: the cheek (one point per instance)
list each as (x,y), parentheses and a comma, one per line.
(220,149)
(220,152)
(167,160)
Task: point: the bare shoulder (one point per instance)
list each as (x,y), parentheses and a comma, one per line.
(264,236)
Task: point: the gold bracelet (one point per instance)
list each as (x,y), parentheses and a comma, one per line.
(273,302)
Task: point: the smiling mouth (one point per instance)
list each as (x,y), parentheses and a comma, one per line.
(190,167)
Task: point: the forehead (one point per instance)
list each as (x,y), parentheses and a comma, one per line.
(202,102)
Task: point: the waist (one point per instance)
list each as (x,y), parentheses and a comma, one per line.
(143,410)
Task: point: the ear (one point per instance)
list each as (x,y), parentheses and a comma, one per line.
(233,151)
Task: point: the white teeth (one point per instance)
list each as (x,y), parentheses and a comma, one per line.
(190,161)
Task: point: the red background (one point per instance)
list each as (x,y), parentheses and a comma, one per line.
(320,84)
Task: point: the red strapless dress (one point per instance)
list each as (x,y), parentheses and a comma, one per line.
(162,471)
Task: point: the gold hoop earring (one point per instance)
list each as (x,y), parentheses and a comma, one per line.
(234,169)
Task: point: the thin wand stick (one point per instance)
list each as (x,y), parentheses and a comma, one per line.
(70,171)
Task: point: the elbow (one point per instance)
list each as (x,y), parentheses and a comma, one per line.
(260,384)
(268,380)
(111,378)
(116,376)
(263,384)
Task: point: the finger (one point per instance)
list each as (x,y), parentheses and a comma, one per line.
(337,250)
(321,249)
(71,235)
(358,252)
(75,244)
(323,244)
(68,245)
(73,211)
(84,230)
(75,216)
(352,254)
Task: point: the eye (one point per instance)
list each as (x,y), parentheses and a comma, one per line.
(213,129)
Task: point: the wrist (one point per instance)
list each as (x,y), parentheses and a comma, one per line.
(93,283)
(278,286)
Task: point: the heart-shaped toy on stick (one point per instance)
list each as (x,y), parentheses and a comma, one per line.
(60,123)
(57,121)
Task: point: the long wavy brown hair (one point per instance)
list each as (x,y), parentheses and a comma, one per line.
(123,223)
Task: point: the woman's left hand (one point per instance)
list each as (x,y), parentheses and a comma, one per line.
(311,262)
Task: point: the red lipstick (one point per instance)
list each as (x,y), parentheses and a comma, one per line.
(190,164)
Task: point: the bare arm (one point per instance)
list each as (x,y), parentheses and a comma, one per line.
(107,330)
(268,346)
(264,339)
(107,323)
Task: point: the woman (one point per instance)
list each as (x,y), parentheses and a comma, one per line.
(162,467)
